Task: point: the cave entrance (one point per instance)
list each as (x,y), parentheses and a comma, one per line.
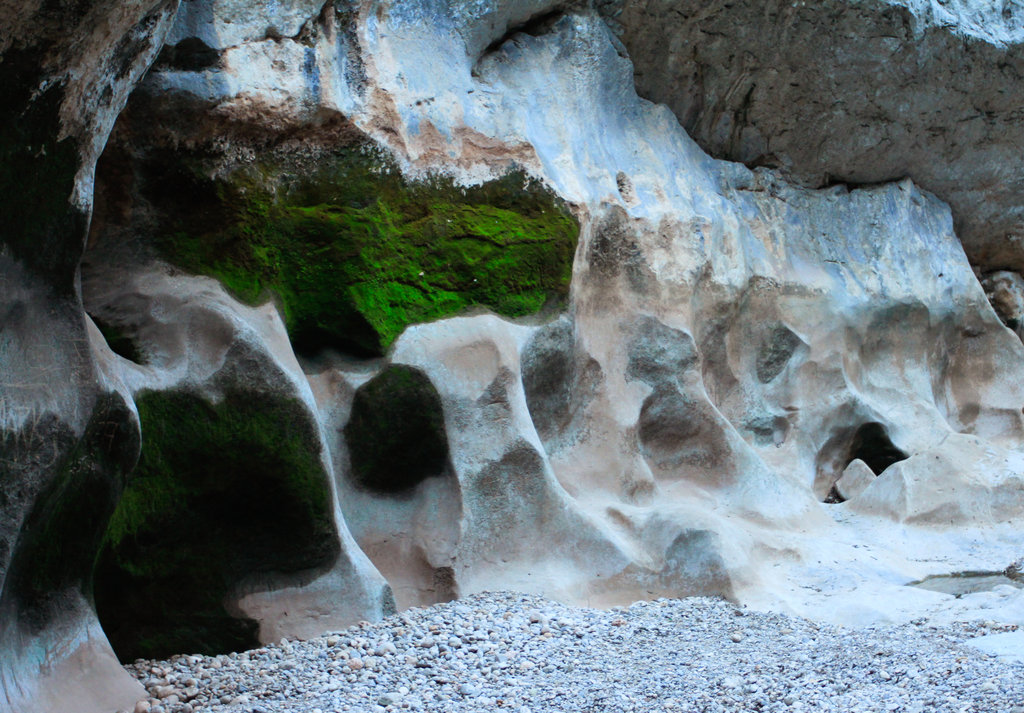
(868,443)
(871,444)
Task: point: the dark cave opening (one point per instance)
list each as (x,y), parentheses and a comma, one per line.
(190,55)
(538,25)
(869,443)
(120,340)
(872,445)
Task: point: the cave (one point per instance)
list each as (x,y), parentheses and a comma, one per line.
(868,442)
(872,445)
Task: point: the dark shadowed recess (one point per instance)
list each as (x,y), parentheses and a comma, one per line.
(120,340)
(40,227)
(189,55)
(871,444)
(396,435)
(58,542)
(539,24)
(223,491)
(353,252)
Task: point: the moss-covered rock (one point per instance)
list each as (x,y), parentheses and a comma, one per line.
(396,436)
(222,491)
(63,531)
(355,253)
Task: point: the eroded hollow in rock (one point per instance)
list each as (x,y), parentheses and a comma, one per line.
(396,435)
(547,369)
(538,25)
(120,340)
(189,55)
(871,444)
(352,251)
(60,538)
(776,350)
(222,492)
(678,432)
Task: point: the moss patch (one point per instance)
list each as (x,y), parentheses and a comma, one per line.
(63,532)
(222,491)
(355,253)
(396,436)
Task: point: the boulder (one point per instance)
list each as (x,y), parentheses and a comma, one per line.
(855,479)
(962,481)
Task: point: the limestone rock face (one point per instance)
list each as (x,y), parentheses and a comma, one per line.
(851,92)
(986,479)
(69,435)
(385,303)
(264,510)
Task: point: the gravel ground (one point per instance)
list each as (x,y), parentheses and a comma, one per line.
(515,652)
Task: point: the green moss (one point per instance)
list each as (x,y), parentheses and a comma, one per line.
(396,436)
(355,253)
(222,491)
(63,532)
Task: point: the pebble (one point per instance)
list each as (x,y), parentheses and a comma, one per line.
(523,653)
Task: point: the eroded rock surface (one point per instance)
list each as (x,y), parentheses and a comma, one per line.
(68,432)
(439,294)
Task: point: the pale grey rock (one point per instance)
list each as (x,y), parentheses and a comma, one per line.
(802,319)
(856,477)
(221,24)
(272,65)
(851,92)
(987,482)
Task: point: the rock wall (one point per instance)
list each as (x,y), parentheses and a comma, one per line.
(386,303)
(851,92)
(69,434)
